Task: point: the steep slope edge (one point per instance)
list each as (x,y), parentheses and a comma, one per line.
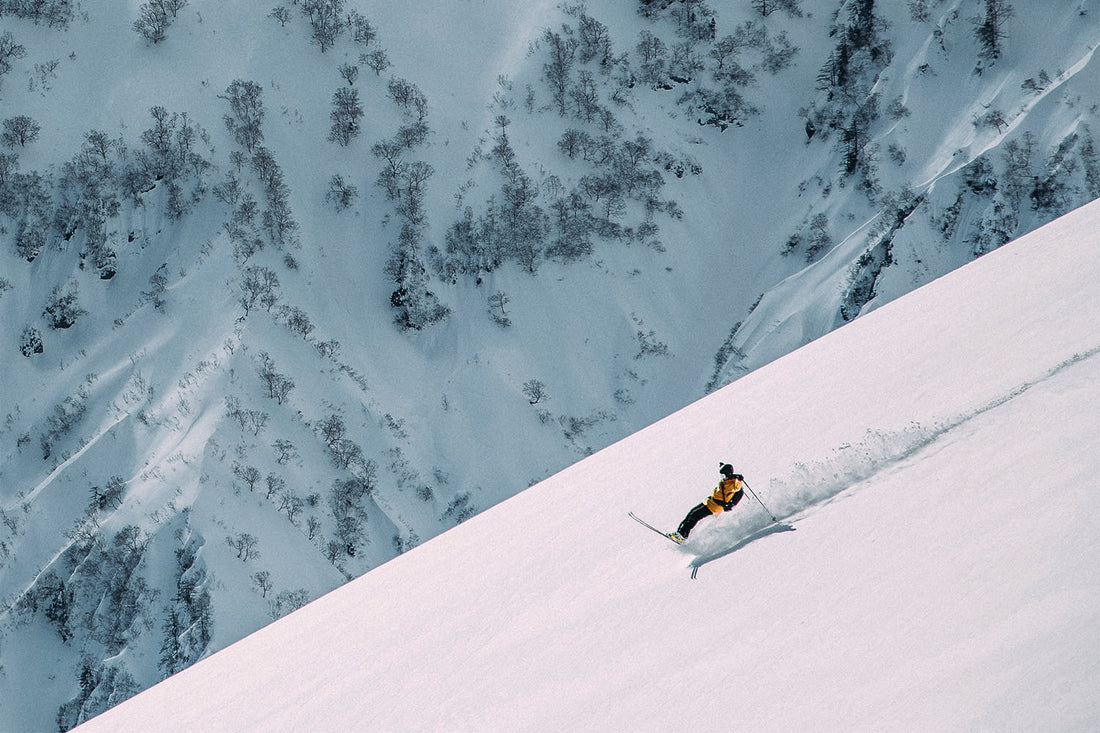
(930,594)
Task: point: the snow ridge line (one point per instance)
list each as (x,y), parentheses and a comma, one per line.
(956,165)
(817,483)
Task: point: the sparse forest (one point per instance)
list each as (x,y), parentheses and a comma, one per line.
(273,320)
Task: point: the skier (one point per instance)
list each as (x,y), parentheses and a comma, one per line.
(725,497)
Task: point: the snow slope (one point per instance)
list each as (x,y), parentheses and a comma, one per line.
(158,397)
(936,462)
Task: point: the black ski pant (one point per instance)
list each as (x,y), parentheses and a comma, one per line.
(697,512)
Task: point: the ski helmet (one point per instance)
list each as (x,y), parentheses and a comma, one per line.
(726,470)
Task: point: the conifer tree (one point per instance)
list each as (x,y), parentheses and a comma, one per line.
(989,28)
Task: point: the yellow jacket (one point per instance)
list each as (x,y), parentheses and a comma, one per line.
(728,490)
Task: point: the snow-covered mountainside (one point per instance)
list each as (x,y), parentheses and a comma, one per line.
(934,567)
(286,290)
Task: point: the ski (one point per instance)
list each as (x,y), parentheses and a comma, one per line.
(646,524)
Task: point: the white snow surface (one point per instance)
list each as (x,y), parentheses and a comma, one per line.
(621,339)
(936,460)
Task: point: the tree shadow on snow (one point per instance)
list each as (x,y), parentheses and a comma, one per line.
(702,560)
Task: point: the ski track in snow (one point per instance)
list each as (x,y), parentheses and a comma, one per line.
(463,54)
(942,593)
(812,485)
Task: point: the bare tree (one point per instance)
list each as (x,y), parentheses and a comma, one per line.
(288,601)
(171,6)
(535,391)
(595,40)
(155,16)
(274,485)
(278,385)
(326,17)
(345,453)
(281,14)
(245,545)
(258,285)
(284,451)
(20,130)
(376,60)
(291,503)
(152,22)
(245,102)
(654,57)
(392,153)
(498,300)
(562,58)
(110,495)
(262,581)
(249,474)
(350,72)
(409,96)
(9,50)
(341,193)
(345,115)
(767,7)
(332,429)
(333,549)
(361,29)
(9,164)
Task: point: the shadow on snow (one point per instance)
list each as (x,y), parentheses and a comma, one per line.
(775,528)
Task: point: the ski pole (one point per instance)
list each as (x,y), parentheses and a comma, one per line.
(749,489)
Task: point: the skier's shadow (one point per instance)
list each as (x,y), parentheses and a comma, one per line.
(702,560)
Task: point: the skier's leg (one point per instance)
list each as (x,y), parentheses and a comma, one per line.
(697,512)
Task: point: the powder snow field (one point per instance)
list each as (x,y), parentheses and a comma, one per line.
(620,339)
(937,461)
